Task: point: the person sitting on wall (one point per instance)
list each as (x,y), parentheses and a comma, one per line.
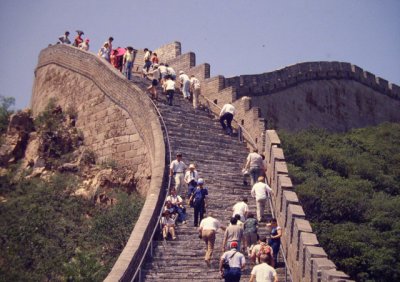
(177,204)
(167,225)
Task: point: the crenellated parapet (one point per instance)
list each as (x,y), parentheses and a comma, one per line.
(275,81)
(306,259)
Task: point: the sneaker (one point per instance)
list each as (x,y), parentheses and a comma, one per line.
(184,222)
(173,238)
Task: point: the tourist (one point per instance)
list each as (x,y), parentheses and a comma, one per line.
(254,165)
(241,208)
(128,62)
(259,191)
(78,39)
(109,41)
(191,177)
(275,238)
(64,38)
(177,204)
(233,233)
(171,72)
(163,72)
(199,201)
(169,89)
(195,89)
(250,231)
(185,84)
(168,225)
(154,59)
(152,89)
(226,114)
(264,272)
(262,248)
(104,52)
(235,261)
(84,45)
(114,58)
(177,171)
(207,231)
(147,62)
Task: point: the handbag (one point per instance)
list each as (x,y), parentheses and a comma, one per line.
(225,264)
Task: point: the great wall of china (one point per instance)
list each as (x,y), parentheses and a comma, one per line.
(120,123)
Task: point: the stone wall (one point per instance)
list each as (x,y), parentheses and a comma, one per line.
(119,122)
(332,95)
(305,258)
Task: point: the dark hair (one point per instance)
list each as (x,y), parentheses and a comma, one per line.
(264,239)
(273,220)
(154,53)
(234,220)
(237,216)
(111,38)
(244,199)
(145,49)
(250,215)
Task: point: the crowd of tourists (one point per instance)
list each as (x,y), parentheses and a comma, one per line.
(241,238)
(159,73)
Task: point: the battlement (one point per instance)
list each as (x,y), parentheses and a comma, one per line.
(272,82)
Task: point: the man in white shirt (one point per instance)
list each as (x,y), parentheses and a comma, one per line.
(259,191)
(207,230)
(264,272)
(226,114)
(241,208)
(169,89)
(177,169)
(185,84)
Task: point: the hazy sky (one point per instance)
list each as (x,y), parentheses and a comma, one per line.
(235,37)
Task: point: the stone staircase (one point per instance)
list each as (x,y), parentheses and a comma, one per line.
(219,159)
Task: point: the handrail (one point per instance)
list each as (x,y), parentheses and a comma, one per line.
(240,126)
(287,270)
(150,243)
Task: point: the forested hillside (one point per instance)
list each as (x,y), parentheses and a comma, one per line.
(349,186)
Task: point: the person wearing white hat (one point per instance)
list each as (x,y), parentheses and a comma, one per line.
(191,177)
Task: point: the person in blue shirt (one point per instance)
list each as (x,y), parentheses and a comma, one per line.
(199,201)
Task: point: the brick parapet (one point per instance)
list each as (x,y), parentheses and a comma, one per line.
(127,98)
(306,260)
(271,82)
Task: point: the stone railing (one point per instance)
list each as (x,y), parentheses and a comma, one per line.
(144,117)
(305,258)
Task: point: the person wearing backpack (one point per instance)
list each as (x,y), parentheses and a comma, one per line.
(231,264)
(264,272)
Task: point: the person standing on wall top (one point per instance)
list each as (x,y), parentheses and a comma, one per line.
(84,45)
(185,84)
(177,170)
(104,52)
(128,62)
(195,89)
(64,38)
(109,41)
(78,39)
(254,165)
(198,198)
(226,114)
(259,191)
(236,261)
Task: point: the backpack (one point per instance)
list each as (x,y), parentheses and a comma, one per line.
(264,250)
